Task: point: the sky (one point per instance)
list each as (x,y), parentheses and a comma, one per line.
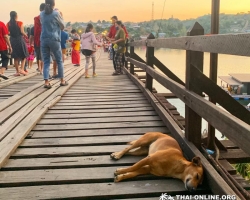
(126,10)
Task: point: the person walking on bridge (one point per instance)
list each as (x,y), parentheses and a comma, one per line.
(88,41)
(5,49)
(20,51)
(52,24)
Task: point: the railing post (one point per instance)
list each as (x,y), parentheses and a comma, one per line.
(192,119)
(150,62)
(132,51)
(126,54)
(213,65)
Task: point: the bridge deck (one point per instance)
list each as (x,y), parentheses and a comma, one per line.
(66,155)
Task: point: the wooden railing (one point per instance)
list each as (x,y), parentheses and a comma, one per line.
(235,124)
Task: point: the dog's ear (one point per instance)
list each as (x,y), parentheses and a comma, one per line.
(196,161)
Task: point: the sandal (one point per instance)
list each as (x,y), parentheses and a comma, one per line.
(47,86)
(17,74)
(64,84)
(4,77)
(87,76)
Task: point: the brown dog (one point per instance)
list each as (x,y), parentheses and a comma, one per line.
(165,158)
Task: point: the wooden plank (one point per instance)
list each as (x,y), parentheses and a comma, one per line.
(96,132)
(56,176)
(67,151)
(25,110)
(103,191)
(12,108)
(24,92)
(221,120)
(16,80)
(102,100)
(104,92)
(99,120)
(216,183)
(51,111)
(13,139)
(108,94)
(68,162)
(76,103)
(229,144)
(226,165)
(93,115)
(235,156)
(232,44)
(99,125)
(166,95)
(91,107)
(79,141)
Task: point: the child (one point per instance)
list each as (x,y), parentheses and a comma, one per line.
(75,55)
(31,57)
(88,41)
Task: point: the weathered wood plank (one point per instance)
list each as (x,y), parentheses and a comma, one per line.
(67,151)
(88,107)
(93,115)
(99,120)
(79,141)
(51,111)
(68,162)
(101,100)
(20,94)
(96,132)
(76,103)
(97,191)
(235,156)
(233,44)
(99,125)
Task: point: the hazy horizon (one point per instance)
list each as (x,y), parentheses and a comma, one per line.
(127,11)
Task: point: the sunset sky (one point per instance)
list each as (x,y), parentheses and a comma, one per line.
(126,10)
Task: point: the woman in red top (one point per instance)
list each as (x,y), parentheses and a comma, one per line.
(20,51)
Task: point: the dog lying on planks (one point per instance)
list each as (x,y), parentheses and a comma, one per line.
(165,158)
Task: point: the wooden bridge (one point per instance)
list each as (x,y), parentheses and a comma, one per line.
(55,144)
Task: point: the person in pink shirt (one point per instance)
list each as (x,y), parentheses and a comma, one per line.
(88,48)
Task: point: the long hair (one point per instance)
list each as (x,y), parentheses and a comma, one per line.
(13,27)
(89,27)
(49,6)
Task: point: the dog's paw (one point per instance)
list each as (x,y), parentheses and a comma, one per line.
(118,171)
(115,156)
(117,179)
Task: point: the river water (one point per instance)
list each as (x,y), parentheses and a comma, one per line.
(175,60)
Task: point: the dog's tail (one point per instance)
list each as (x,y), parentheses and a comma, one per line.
(132,142)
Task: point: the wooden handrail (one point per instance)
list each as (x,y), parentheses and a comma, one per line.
(233,44)
(236,130)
